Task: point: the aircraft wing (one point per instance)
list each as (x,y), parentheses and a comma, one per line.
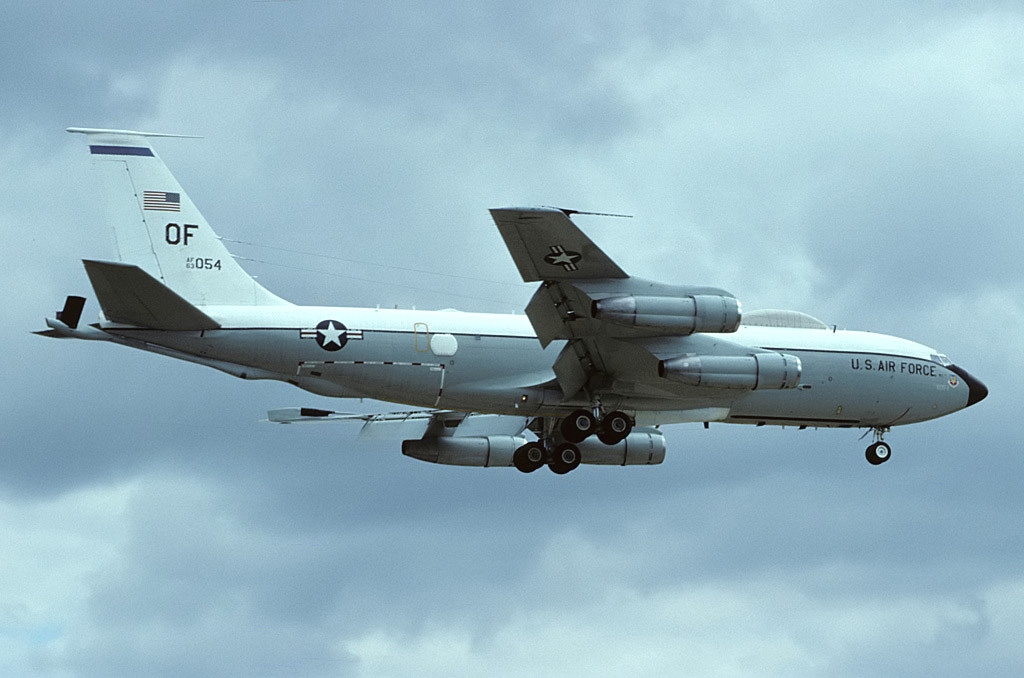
(606,351)
(546,245)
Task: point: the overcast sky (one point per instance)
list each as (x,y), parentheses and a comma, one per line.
(864,164)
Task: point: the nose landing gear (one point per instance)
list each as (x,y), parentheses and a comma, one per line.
(879,451)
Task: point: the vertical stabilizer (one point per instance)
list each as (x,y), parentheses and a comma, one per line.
(159,229)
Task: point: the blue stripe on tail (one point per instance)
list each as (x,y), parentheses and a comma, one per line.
(120,150)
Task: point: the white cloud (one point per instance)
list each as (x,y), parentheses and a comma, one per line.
(754,628)
(55,551)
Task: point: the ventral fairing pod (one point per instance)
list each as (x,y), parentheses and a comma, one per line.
(677,315)
(759,371)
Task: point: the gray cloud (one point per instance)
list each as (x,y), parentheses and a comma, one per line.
(861,164)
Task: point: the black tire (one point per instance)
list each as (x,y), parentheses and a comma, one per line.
(566,457)
(878,453)
(614,428)
(578,426)
(529,457)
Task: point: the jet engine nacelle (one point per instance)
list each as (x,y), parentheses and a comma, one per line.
(758,371)
(468,451)
(641,447)
(682,315)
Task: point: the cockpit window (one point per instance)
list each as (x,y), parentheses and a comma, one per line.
(941,359)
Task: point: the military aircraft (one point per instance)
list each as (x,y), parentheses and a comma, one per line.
(600,361)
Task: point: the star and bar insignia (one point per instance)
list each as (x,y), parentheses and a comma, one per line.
(560,256)
(331,335)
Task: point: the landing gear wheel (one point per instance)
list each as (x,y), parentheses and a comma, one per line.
(878,453)
(565,458)
(529,457)
(578,426)
(614,428)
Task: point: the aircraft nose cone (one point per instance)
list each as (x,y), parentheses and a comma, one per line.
(976,391)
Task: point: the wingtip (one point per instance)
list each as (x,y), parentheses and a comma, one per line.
(531,208)
(548,209)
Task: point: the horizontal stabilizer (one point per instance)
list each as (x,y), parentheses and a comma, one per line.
(60,330)
(131,296)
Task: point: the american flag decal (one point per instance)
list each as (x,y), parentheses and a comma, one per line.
(161,201)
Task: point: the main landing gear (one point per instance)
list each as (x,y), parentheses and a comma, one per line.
(564,455)
(879,451)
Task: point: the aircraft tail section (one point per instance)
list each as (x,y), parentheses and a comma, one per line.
(158,229)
